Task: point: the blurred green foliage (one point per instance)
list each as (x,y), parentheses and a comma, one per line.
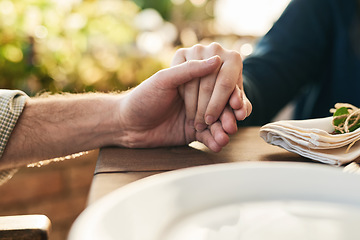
(84,45)
(164,7)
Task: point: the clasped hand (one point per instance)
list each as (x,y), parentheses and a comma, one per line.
(198,99)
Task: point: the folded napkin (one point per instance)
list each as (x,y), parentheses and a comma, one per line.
(313,139)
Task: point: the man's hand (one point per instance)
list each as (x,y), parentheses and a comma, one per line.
(153,114)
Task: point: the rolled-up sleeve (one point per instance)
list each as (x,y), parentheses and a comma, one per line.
(12,103)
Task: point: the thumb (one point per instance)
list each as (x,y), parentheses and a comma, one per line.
(187,71)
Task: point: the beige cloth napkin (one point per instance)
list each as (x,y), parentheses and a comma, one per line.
(313,139)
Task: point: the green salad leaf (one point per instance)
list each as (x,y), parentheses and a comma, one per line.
(340,116)
(339,112)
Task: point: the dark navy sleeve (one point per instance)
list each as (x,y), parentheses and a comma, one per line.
(286,59)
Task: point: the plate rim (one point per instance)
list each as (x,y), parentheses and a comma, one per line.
(80,231)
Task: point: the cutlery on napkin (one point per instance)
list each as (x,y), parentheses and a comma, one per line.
(313,139)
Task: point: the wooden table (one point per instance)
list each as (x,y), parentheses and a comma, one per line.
(117,167)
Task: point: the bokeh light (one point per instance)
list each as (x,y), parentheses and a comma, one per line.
(198,3)
(244,17)
(105,45)
(246,49)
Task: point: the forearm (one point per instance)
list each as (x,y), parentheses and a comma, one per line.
(61,125)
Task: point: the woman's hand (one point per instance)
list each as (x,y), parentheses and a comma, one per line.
(206,98)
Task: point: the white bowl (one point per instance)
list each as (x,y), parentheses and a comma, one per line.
(252,200)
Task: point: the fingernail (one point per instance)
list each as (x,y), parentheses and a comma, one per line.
(241,95)
(245,116)
(246,112)
(200,127)
(209,119)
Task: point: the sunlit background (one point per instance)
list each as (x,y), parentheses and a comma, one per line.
(106,45)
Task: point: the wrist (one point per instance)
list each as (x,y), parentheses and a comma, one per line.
(98,120)
(108,127)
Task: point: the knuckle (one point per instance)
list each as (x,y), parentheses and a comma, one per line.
(215,47)
(198,45)
(180,52)
(235,56)
(227,83)
(159,78)
(160,74)
(197,49)
(207,87)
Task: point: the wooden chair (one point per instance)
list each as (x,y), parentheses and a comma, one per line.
(25,227)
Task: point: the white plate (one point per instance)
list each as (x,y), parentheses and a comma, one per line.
(230,201)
